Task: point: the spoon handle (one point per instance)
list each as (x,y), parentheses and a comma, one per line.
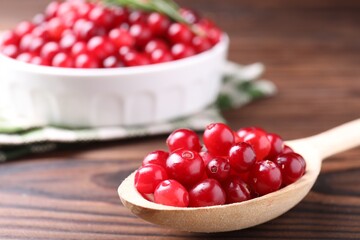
(337,140)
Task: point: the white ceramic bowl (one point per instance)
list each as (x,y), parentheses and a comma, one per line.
(109,97)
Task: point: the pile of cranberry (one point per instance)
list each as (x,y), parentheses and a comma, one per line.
(81,34)
(233,167)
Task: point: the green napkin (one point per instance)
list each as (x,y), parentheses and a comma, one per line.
(20,137)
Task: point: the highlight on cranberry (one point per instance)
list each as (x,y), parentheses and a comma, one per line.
(103,34)
(232,166)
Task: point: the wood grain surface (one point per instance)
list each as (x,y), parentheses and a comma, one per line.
(312,52)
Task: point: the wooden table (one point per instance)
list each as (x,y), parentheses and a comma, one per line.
(312,52)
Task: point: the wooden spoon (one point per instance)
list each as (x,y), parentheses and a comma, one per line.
(246,214)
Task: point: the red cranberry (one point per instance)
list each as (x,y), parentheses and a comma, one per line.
(183,139)
(39,61)
(141,33)
(207,193)
(160,56)
(25,57)
(214,35)
(79,48)
(158,23)
(85,60)
(123,51)
(158,157)
(9,38)
(241,157)
(148,177)
(137,17)
(121,37)
(276,145)
(207,157)
(258,140)
(236,190)
(49,50)
(265,177)
(120,15)
(171,193)
(101,47)
(38,19)
(52,9)
(62,60)
(84,29)
(67,41)
(292,166)
(180,33)
(189,15)
(101,16)
(41,32)
(25,42)
(156,44)
(287,149)
(55,28)
(201,44)
(65,8)
(112,62)
(10,51)
(218,139)
(180,51)
(132,59)
(24,28)
(185,166)
(218,168)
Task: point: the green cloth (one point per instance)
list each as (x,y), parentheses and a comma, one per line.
(20,137)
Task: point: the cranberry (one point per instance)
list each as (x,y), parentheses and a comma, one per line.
(10,51)
(241,157)
(214,35)
(218,139)
(183,139)
(49,50)
(292,166)
(276,145)
(120,15)
(55,28)
(123,51)
(200,44)
(158,23)
(136,17)
(180,51)
(218,168)
(121,37)
(141,33)
(25,42)
(156,44)
(62,60)
(148,177)
(36,44)
(257,138)
(207,157)
(85,60)
(180,33)
(189,15)
(101,16)
(38,19)
(265,177)
(132,59)
(158,157)
(112,62)
(41,31)
(39,61)
(79,48)
(185,166)
(171,193)
(207,193)
(25,57)
(24,28)
(236,190)
(67,41)
(65,8)
(160,56)
(9,38)
(101,47)
(52,9)
(287,149)
(84,29)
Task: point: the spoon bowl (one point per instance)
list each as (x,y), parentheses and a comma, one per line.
(236,216)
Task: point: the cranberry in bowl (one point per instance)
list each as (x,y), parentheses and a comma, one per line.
(82,64)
